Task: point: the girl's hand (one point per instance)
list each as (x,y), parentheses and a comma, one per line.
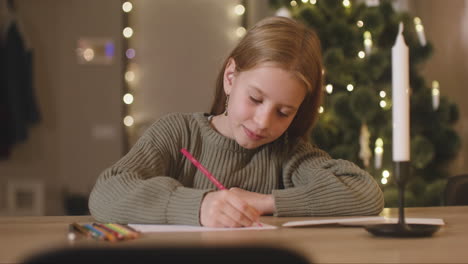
(264,203)
(228,208)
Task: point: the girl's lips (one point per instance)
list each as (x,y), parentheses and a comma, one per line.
(252,135)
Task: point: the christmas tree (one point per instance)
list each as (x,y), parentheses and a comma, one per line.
(356,117)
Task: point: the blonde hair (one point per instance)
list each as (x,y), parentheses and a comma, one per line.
(291,46)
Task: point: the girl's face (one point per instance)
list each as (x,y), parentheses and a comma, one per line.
(262,104)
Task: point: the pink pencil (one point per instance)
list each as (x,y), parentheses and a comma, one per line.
(203,169)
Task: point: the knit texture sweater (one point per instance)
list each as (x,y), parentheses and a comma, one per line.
(154,182)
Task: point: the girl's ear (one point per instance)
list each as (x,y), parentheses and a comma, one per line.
(229,76)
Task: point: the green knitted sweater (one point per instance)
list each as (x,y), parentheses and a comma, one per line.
(155,183)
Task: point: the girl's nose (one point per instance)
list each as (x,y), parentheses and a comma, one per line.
(263,118)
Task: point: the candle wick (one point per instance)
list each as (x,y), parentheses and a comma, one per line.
(400,28)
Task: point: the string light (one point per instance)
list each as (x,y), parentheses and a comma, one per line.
(382,94)
(88,54)
(128,121)
(128,98)
(313,2)
(131,69)
(321,109)
(385,175)
(346,3)
(382,103)
(129,76)
(239,10)
(305,1)
(127,7)
(361,54)
(130,53)
(350,87)
(293,3)
(128,32)
(360,23)
(240,31)
(329,88)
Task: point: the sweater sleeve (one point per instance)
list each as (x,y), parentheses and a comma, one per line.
(139,188)
(316,185)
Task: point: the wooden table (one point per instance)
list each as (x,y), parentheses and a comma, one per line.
(22,236)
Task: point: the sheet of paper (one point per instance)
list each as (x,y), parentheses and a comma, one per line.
(359,221)
(144,228)
(334,221)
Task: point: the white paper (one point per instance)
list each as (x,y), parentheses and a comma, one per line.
(363,221)
(333,221)
(145,228)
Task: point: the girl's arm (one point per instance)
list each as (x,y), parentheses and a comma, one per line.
(144,186)
(316,185)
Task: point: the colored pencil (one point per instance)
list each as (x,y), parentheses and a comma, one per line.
(204,170)
(95,233)
(115,233)
(108,235)
(118,230)
(130,230)
(126,233)
(81,230)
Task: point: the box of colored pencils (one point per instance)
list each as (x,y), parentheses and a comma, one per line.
(106,232)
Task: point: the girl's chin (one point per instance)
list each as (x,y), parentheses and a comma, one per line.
(248,144)
(250,147)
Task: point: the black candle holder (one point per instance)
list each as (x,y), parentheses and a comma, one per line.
(401,229)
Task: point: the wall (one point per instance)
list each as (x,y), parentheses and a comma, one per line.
(446,26)
(80,132)
(180,47)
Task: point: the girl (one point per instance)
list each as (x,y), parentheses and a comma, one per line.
(255,142)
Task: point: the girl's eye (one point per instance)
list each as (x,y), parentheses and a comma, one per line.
(282,114)
(257,101)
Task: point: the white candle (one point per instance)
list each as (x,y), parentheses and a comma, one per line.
(372,2)
(378,153)
(367,42)
(365,153)
(435,95)
(284,12)
(400,98)
(420,31)
(378,158)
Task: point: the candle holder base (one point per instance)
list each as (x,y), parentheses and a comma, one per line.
(402,230)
